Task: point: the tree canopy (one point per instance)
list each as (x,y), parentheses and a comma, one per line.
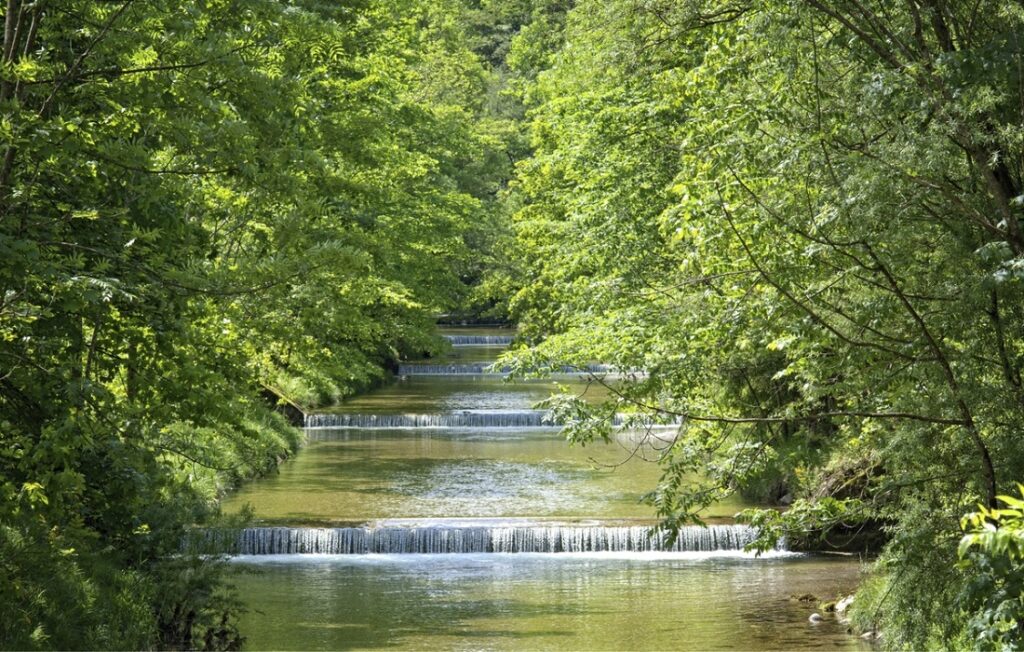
(199,202)
(803,221)
(797,224)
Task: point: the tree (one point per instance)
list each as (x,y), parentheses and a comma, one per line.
(197,201)
(799,219)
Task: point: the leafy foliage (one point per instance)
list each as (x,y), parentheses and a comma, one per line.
(802,220)
(992,555)
(200,201)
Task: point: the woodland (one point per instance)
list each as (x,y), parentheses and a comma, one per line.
(799,221)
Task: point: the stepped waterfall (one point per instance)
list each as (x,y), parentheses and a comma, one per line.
(444,510)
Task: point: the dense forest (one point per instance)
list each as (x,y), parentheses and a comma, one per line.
(803,219)
(202,201)
(797,222)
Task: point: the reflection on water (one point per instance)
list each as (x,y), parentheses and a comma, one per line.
(351,475)
(547,602)
(443,393)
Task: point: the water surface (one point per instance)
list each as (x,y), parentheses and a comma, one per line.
(355,475)
(456,392)
(488,475)
(542,602)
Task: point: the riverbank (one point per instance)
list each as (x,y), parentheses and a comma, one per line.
(294,408)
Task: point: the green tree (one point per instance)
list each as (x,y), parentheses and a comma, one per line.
(198,201)
(802,220)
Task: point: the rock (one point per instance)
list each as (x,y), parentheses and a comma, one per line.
(844,604)
(815,618)
(871,636)
(828,607)
(806,597)
(786,500)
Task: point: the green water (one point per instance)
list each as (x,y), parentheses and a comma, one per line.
(445,393)
(431,476)
(355,475)
(462,354)
(476,330)
(542,602)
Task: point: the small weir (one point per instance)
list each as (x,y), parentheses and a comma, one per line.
(484,369)
(467,540)
(479,340)
(460,419)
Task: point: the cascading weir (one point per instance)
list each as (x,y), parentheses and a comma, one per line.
(457,419)
(460,419)
(479,340)
(485,369)
(467,540)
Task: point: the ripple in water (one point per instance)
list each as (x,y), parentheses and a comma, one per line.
(488,486)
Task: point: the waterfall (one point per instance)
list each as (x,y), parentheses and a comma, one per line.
(448,540)
(462,419)
(479,340)
(484,368)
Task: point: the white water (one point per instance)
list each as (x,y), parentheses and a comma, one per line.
(479,340)
(462,419)
(484,369)
(469,540)
(459,419)
(485,558)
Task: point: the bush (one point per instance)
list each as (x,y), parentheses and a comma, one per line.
(992,554)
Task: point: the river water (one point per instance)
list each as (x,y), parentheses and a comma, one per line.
(461,464)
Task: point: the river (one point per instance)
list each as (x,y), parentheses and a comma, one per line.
(545,546)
